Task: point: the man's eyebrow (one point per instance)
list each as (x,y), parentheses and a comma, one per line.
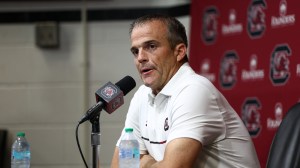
(150,41)
(132,48)
(144,44)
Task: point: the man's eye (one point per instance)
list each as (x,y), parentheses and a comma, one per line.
(135,52)
(152,46)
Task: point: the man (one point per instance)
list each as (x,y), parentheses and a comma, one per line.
(179,118)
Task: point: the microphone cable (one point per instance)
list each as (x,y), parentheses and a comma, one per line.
(79,146)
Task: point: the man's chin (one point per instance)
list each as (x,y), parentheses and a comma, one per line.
(147,83)
(148,80)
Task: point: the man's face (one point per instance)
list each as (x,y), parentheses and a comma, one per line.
(156,62)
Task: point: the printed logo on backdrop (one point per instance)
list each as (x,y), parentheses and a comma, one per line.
(205,70)
(298,70)
(283,19)
(228,70)
(279,68)
(233,27)
(273,123)
(256,23)
(251,116)
(209,25)
(253,73)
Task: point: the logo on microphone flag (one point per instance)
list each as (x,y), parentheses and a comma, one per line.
(109,91)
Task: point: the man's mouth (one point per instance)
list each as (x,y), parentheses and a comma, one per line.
(146,71)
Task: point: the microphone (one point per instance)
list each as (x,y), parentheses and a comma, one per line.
(110,97)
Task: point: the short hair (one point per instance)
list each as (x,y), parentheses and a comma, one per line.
(176,30)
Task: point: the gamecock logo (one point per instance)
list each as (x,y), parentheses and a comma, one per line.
(279,68)
(251,116)
(256,18)
(209,25)
(228,74)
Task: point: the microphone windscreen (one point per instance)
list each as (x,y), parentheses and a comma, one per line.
(126,84)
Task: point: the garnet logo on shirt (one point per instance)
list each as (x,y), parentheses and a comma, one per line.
(166,126)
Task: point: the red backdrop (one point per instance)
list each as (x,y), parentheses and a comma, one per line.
(250,51)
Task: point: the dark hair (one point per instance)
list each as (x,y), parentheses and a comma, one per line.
(176,30)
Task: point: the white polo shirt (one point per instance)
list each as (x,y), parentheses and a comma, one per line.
(190,106)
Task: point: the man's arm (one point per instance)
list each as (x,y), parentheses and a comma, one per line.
(179,153)
(115,159)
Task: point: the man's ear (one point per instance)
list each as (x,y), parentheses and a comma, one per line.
(180,51)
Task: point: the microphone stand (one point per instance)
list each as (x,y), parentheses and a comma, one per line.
(95,140)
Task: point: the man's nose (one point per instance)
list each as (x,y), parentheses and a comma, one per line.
(142,56)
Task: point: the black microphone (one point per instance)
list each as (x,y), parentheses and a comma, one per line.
(110,97)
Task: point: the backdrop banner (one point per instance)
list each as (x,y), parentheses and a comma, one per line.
(250,51)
